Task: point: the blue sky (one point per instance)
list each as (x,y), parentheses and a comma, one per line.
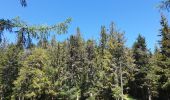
(131,16)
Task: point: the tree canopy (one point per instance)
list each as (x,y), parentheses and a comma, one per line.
(82,69)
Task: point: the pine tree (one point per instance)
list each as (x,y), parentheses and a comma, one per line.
(76,65)
(9,68)
(140,53)
(164,60)
(151,80)
(102,64)
(58,53)
(91,70)
(118,58)
(33,81)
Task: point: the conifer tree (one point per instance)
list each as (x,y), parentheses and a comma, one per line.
(9,68)
(58,53)
(141,57)
(102,63)
(76,64)
(164,60)
(33,81)
(151,80)
(118,58)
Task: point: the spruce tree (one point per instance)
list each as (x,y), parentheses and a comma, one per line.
(118,61)
(58,53)
(34,80)
(9,68)
(76,65)
(138,88)
(164,60)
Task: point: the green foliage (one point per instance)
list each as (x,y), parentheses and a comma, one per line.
(40,29)
(76,69)
(33,81)
(26,33)
(163,60)
(5,25)
(9,66)
(140,86)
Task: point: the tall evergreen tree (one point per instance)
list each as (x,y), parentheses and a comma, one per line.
(33,81)
(141,56)
(164,60)
(58,53)
(118,58)
(76,64)
(102,63)
(91,70)
(9,68)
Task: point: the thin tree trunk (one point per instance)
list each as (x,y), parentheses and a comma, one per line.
(77,97)
(149,96)
(121,81)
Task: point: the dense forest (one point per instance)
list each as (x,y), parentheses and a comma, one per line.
(79,69)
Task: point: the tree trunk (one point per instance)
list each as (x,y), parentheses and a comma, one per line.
(77,97)
(121,81)
(149,95)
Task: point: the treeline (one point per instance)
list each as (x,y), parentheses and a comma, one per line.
(76,69)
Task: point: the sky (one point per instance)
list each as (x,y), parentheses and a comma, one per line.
(130,16)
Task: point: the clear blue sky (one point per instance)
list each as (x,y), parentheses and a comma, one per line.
(131,16)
